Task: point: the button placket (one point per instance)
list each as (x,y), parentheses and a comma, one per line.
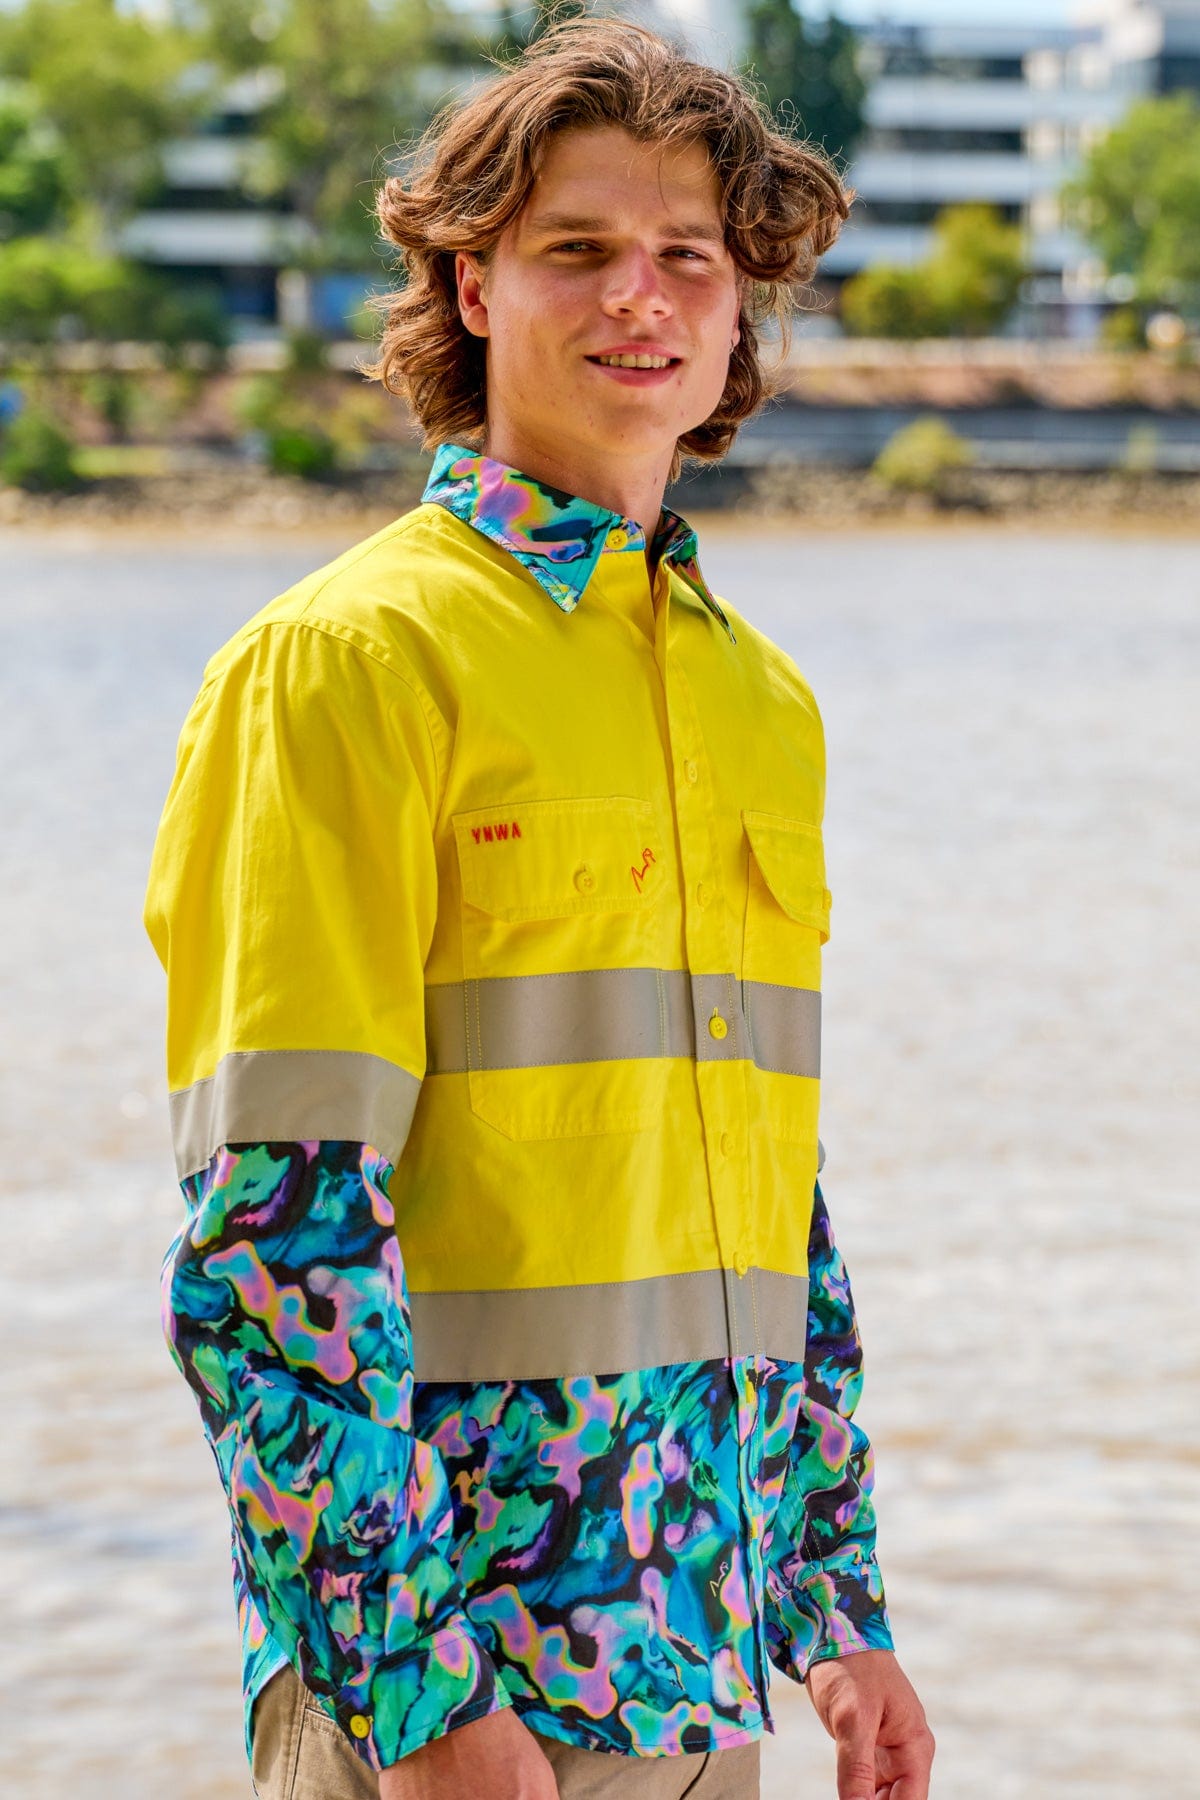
(720,1037)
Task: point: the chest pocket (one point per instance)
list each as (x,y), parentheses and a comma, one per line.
(786,923)
(565,1019)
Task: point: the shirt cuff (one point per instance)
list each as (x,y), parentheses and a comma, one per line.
(837,1610)
(403,1702)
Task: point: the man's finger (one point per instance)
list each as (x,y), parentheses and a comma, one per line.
(856,1764)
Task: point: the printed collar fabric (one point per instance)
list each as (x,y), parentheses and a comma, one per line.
(557,536)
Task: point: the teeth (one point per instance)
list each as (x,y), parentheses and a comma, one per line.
(634,362)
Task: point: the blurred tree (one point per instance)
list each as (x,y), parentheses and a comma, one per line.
(110,83)
(810,70)
(1137,200)
(35,188)
(522,25)
(341,79)
(51,288)
(966,288)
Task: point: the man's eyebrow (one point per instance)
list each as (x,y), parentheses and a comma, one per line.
(701,229)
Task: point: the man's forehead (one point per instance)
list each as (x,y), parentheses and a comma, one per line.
(586,178)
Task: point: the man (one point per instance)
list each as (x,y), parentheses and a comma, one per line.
(491,896)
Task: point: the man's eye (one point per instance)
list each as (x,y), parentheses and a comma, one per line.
(575,244)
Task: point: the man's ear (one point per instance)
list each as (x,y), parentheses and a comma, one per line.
(472,305)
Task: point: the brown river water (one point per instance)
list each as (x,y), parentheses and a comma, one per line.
(1010,1116)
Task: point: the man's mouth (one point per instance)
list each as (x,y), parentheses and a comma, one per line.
(627,361)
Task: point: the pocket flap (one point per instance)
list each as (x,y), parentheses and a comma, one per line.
(545,859)
(791,859)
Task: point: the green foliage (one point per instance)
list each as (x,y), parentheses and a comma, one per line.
(108,79)
(35,186)
(50,287)
(114,395)
(1137,200)
(888,302)
(35,453)
(179,319)
(302,450)
(1140,455)
(923,457)
(288,418)
(810,71)
(966,288)
(1124,329)
(345,83)
(522,26)
(306,352)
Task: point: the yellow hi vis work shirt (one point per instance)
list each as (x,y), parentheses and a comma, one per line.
(491,894)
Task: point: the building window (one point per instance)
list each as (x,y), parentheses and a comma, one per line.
(908,60)
(920,138)
(918,212)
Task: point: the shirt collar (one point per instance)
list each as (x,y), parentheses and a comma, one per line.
(557,536)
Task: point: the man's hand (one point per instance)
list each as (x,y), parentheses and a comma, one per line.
(869,1708)
(493,1758)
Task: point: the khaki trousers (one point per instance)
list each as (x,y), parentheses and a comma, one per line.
(300,1754)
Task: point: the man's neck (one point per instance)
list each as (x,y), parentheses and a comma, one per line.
(633,488)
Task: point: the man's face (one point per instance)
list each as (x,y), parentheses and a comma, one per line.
(619,251)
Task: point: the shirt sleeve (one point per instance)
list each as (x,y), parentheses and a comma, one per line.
(284,1305)
(825,1586)
(292,899)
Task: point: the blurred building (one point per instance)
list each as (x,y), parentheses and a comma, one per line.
(997,113)
(1004,114)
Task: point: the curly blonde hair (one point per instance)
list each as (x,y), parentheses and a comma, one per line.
(473,170)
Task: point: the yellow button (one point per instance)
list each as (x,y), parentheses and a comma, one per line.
(617,539)
(703,894)
(691,772)
(716,1026)
(359,1726)
(727,1143)
(741,1262)
(585,881)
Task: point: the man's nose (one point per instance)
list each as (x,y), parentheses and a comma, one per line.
(635,284)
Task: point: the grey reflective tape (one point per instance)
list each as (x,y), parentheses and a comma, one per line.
(599,1015)
(608,1328)
(273,1096)
(529,1021)
(785,1027)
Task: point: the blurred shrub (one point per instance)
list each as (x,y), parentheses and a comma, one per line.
(49,287)
(301,450)
(289,424)
(966,288)
(307,352)
(923,457)
(114,396)
(260,402)
(1124,329)
(1140,456)
(36,453)
(183,318)
(887,302)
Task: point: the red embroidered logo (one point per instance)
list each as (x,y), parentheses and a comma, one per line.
(492,834)
(639,875)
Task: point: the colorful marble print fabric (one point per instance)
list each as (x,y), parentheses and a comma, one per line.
(558,537)
(284,1306)
(617,1555)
